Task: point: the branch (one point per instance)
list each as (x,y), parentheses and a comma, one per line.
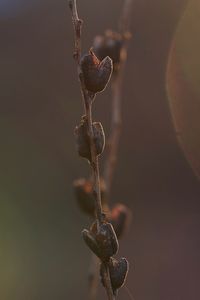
(88,99)
(108,283)
(94,160)
(77,23)
(116,118)
(116,123)
(115,131)
(125,18)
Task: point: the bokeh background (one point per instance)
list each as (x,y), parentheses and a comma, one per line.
(42,255)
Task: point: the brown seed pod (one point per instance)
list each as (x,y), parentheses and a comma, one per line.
(102,241)
(91,242)
(120,218)
(99,137)
(118,270)
(83,140)
(83,189)
(96,73)
(110,44)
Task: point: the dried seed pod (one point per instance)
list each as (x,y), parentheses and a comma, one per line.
(99,137)
(110,44)
(84,194)
(91,242)
(118,270)
(102,241)
(120,218)
(96,73)
(83,140)
(107,240)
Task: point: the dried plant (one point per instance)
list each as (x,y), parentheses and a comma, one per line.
(106,58)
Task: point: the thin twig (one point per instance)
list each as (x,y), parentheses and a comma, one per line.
(94,161)
(125,19)
(113,141)
(116,123)
(88,99)
(107,283)
(116,118)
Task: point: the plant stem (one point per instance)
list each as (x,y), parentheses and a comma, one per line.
(88,99)
(115,131)
(125,19)
(116,118)
(116,123)
(107,282)
(94,162)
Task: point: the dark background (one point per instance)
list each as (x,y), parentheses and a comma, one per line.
(42,255)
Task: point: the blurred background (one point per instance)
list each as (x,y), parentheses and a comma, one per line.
(42,255)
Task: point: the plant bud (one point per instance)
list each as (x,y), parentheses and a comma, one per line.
(83,139)
(120,218)
(110,44)
(102,241)
(96,73)
(84,195)
(118,270)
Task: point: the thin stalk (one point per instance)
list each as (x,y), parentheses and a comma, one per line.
(115,131)
(116,122)
(125,19)
(94,162)
(107,283)
(88,99)
(116,117)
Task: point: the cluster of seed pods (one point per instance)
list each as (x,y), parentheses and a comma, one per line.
(102,238)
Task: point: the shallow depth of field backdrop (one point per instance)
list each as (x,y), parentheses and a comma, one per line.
(42,255)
